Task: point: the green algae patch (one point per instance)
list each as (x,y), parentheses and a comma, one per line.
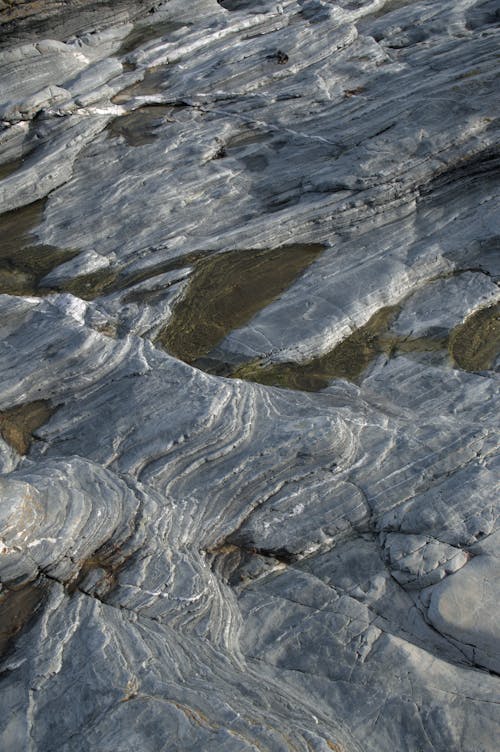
(475,344)
(22,262)
(348,360)
(226,291)
(90,286)
(17,424)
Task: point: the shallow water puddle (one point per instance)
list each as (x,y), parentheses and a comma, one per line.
(22,262)
(226,291)
(152,83)
(88,286)
(16,609)
(347,360)
(111,280)
(475,344)
(17,424)
(389,6)
(138,127)
(8,168)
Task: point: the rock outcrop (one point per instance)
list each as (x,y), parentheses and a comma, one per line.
(249,363)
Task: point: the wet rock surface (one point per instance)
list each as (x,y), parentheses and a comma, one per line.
(249,376)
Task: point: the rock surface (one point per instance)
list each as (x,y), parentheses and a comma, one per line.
(190,561)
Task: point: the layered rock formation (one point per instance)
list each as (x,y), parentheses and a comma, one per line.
(250,344)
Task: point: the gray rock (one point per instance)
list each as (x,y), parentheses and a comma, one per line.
(195,562)
(85,263)
(417,561)
(463,606)
(442,305)
(56,515)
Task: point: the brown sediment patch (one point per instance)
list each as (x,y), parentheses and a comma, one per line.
(226,291)
(22,262)
(138,127)
(347,360)
(334,746)
(17,424)
(100,565)
(17,607)
(89,286)
(152,83)
(8,168)
(98,573)
(475,344)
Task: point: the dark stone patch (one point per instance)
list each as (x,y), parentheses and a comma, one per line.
(153,82)
(138,127)
(143,33)
(9,168)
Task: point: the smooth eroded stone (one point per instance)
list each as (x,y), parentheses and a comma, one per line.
(442,305)
(282,532)
(463,606)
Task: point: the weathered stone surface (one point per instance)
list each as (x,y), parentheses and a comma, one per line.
(84,263)
(195,562)
(28,19)
(57,515)
(440,306)
(464,607)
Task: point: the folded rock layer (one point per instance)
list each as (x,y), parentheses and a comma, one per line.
(249,376)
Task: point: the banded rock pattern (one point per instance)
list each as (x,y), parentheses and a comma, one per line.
(190,561)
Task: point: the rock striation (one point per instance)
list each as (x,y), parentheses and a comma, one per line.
(249,354)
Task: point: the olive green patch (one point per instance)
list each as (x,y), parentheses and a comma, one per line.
(475,344)
(16,609)
(22,262)
(226,291)
(348,360)
(17,424)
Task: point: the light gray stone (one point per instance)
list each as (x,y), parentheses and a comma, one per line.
(463,606)
(84,263)
(440,306)
(193,562)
